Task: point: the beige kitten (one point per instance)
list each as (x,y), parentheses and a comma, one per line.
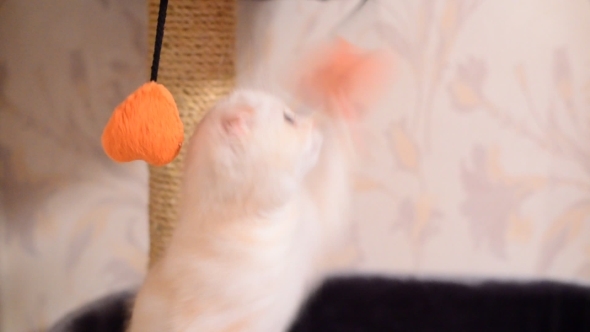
(265,193)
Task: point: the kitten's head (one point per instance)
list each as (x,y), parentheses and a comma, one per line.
(252,147)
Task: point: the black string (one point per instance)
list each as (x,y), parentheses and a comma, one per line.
(159,38)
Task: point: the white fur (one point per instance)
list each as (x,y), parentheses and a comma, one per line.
(261,203)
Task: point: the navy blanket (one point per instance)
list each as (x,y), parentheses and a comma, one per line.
(380,304)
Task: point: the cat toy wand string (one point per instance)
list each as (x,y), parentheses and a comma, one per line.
(159,38)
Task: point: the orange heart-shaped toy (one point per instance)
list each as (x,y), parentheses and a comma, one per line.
(145,126)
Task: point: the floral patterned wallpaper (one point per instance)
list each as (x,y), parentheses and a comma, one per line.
(477,164)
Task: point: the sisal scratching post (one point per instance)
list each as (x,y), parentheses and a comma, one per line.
(197,67)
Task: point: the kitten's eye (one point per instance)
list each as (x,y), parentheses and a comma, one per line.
(289,118)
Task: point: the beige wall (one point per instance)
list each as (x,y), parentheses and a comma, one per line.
(478,163)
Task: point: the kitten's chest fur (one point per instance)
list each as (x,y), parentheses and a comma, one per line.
(241,269)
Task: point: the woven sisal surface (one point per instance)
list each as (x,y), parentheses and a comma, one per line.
(197,66)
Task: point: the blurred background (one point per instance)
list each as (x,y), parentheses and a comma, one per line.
(476,165)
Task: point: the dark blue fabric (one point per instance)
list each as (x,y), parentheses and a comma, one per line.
(108,314)
(379,304)
(359,304)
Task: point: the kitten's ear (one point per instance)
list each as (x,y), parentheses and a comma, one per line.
(238,121)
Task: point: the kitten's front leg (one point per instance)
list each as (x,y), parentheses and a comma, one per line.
(151,308)
(342,82)
(330,182)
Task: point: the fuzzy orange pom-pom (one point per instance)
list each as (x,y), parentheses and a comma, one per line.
(345,79)
(145,126)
